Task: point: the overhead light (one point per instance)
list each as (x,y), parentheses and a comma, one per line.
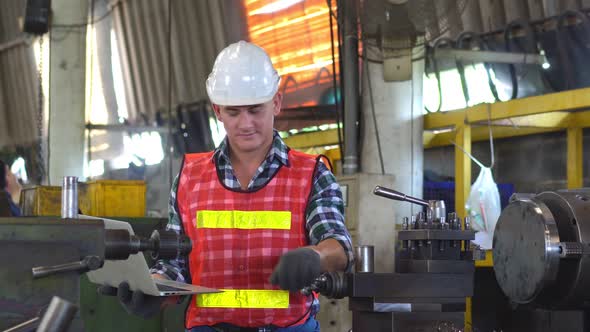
(275,7)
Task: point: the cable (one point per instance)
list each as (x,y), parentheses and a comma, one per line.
(488,67)
(412,143)
(492,162)
(40,162)
(169,145)
(89,142)
(337,92)
(529,47)
(460,68)
(563,44)
(340,16)
(373,113)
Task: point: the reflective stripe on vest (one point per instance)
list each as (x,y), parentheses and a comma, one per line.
(245,298)
(244,219)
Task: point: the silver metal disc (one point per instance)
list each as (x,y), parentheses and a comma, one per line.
(525,251)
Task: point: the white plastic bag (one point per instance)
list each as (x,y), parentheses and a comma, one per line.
(483,206)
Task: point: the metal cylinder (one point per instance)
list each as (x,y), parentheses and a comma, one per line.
(69,197)
(350,86)
(58,316)
(439,211)
(541,249)
(365,259)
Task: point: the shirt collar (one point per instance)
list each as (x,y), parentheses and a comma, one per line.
(279,150)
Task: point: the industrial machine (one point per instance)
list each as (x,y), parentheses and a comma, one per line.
(44,257)
(542,261)
(433,275)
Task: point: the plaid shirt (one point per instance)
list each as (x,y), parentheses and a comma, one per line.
(324,214)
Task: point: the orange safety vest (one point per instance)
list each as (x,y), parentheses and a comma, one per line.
(238,238)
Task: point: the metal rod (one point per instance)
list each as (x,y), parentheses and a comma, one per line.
(69,197)
(29,325)
(350,86)
(365,261)
(43,271)
(396,195)
(123,127)
(490,56)
(58,317)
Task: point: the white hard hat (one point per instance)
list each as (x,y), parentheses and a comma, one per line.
(242,75)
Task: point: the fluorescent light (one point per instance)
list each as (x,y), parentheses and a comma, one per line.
(275,7)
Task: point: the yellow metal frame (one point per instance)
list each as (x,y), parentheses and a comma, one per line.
(559,111)
(533,115)
(562,111)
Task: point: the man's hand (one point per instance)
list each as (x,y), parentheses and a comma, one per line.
(296,269)
(136,303)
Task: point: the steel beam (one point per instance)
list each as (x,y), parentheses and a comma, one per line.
(481,133)
(553,102)
(490,56)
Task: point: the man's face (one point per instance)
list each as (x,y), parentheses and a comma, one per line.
(249,127)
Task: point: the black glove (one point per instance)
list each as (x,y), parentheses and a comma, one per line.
(136,303)
(296,269)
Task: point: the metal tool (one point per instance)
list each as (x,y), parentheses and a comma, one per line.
(435,209)
(69,197)
(57,251)
(57,318)
(118,245)
(433,275)
(364,259)
(541,249)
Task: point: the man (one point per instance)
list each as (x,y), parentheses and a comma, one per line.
(264,220)
(11,189)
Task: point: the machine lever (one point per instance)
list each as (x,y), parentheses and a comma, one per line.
(396,195)
(89,263)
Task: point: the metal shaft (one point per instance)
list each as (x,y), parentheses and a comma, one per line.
(69,197)
(396,195)
(350,85)
(58,316)
(365,261)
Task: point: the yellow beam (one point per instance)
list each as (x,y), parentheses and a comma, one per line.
(468,316)
(463,186)
(543,120)
(580,119)
(574,158)
(311,139)
(487,262)
(462,168)
(481,133)
(553,102)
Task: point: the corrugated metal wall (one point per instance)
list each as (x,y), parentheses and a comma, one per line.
(200,29)
(18,79)
(480,16)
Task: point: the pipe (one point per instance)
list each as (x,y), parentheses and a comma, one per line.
(69,197)
(58,316)
(350,86)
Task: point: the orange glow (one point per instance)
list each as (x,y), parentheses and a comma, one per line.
(297,39)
